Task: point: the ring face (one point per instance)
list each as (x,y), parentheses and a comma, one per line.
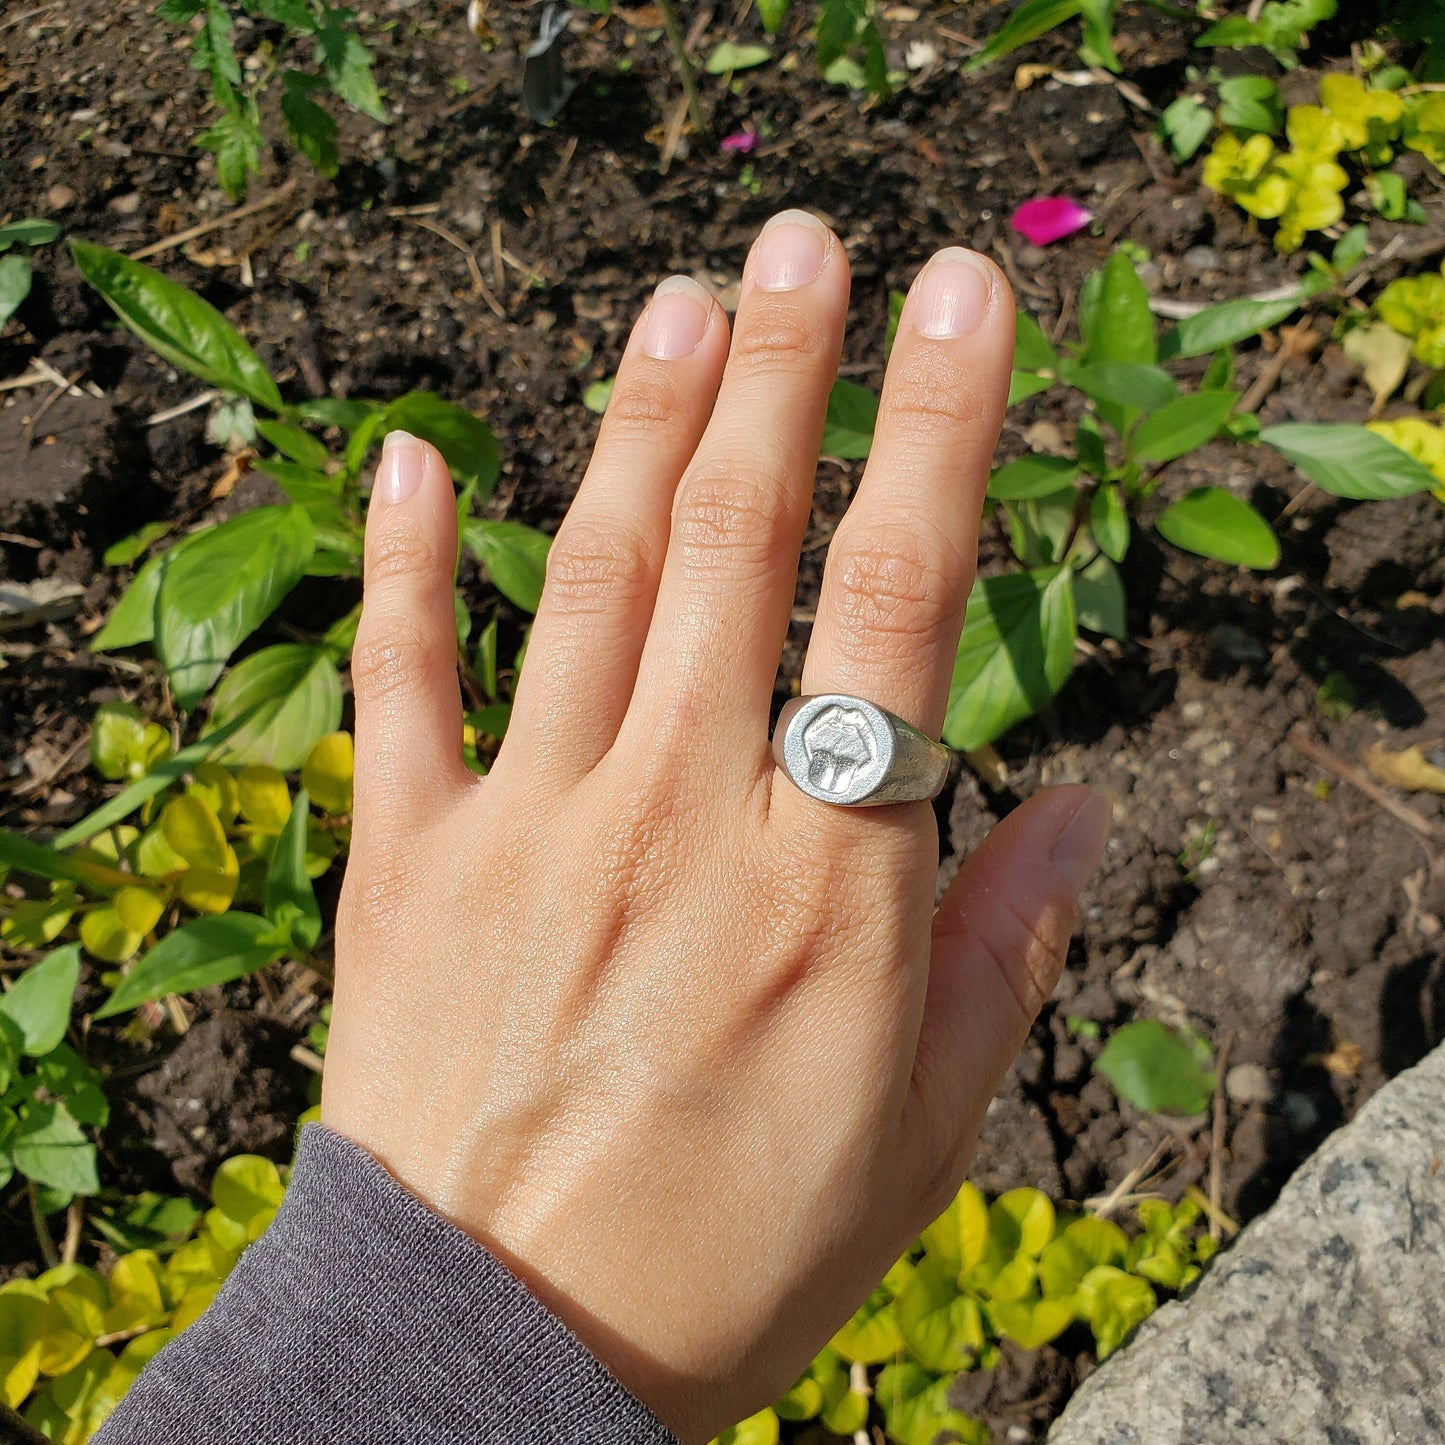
(838,749)
(854,754)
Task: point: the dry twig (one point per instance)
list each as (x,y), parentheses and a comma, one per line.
(1347,772)
(478,285)
(191,233)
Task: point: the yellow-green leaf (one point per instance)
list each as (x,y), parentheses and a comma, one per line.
(328,771)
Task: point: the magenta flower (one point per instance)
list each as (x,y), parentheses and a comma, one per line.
(743,142)
(1048,218)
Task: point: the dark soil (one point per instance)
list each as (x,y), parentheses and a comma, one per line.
(1247,890)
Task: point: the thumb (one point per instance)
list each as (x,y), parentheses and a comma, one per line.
(1000,938)
(404,662)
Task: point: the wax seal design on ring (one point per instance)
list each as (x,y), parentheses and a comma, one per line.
(852,753)
(838,743)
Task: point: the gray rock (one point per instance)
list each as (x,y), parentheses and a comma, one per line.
(1326,1320)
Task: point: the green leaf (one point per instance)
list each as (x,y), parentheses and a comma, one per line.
(596,397)
(915,1407)
(246,1185)
(1032,476)
(1182,425)
(14,285)
(514,555)
(759,1429)
(125,802)
(347,64)
(52,1149)
(1098,43)
(1109,521)
(942,1328)
(235,140)
(1117,326)
(1032,19)
(1099,601)
(212,49)
(852,416)
(1122,388)
(895,315)
(1159,1069)
(199,954)
(312,130)
(133,619)
(1016,652)
(288,898)
(1251,102)
(730,56)
(285,698)
(177,324)
(295,442)
(1215,523)
(465,441)
(1032,349)
(38,1003)
(32,231)
(1348,461)
(1114,315)
(46,861)
(1223,325)
(220,587)
(871,1335)
(129,549)
(1186,125)
(294,14)
(1024,384)
(772,13)
(336,411)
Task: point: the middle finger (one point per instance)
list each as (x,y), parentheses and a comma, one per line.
(740,511)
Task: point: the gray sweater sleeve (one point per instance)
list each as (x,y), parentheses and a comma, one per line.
(363,1318)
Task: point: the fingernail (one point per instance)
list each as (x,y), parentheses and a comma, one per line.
(1079,848)
(676,319)
(952,294)
(399,474)
(791,251)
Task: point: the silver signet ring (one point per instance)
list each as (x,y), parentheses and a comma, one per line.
(855,754)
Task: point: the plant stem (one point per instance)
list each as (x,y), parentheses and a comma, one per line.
(684,66)
(42,1230)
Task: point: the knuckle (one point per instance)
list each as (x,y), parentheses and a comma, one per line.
(388,655)
(898,583)
(399,552)
(778,336)
(1028,951)
(744,517)
(591,564)
(647,406)
(932,391)
(375,898)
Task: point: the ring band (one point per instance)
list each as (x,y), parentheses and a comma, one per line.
(854,754)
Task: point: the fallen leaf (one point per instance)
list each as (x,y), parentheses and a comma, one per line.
(1382,355)
(44,600)
(1343,1061)
(1409,769)
(236,467)
(1027,75)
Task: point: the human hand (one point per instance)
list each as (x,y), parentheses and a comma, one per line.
(689,1051)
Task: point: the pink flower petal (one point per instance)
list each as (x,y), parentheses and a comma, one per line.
(744,142)
(1050,218)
